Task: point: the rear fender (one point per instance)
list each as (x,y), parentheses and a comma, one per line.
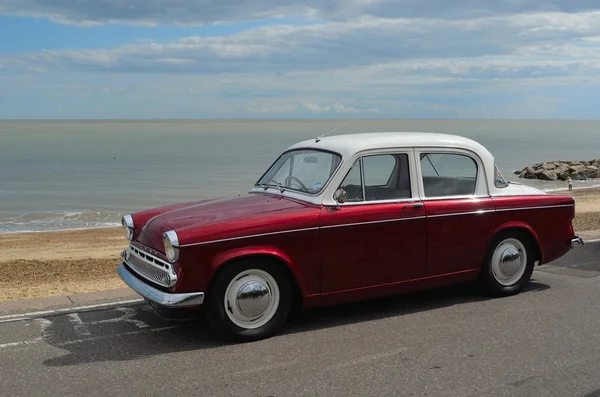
(521,226)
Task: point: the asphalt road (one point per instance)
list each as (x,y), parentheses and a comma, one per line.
(543,342)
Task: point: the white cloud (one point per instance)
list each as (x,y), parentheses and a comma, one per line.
(457,44)
(276,107)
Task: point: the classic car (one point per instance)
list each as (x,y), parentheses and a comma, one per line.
(346,218)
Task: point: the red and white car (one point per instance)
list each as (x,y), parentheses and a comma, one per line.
(346,218)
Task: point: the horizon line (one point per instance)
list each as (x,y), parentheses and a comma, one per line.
(144,119)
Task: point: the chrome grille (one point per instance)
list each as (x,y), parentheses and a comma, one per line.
(150,267)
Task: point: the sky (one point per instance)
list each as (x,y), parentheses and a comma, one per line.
(106,59)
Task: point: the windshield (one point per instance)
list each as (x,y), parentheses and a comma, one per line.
(305,171)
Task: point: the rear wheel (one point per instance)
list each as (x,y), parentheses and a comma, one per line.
(508,264)
(249,300)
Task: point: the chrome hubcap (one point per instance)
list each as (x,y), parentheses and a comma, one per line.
(251,299)
(509,261)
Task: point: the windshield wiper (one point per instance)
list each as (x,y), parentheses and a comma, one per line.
(268,185)
(278,185)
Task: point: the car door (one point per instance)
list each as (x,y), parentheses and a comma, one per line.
(460,211)
(378,236)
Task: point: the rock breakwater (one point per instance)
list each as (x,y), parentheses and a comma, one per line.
(562,170)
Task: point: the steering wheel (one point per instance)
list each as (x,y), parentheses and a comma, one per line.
(291,178)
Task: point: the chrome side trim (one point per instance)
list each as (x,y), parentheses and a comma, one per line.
(251,236)
(374,222)
(500,210)
(462,213)
(451,198)
(374,202)
(577,242)
(159,297)
(535,208)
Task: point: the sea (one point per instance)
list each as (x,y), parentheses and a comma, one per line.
(65,175)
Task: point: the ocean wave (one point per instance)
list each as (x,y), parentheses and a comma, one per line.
(560,189)
(58,221)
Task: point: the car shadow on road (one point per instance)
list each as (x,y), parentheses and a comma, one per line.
(402,305)
(145,334)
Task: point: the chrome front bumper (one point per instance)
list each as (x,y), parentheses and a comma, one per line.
(577,242)
(157,296)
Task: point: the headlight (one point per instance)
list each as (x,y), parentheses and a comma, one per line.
(171,243)
(127,223)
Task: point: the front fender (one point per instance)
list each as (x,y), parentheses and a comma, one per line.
(222,258)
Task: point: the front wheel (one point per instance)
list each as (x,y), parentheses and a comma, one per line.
(508,264)
(249,300)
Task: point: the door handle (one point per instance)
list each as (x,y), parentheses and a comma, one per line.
(413,206)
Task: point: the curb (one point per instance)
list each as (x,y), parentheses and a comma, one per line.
(589,236)
(31,308)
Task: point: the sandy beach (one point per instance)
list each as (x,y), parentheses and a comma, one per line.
(59,263)
(587,208)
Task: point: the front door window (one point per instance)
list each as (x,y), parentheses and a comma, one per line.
(378,178)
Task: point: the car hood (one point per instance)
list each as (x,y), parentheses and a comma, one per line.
(201,217)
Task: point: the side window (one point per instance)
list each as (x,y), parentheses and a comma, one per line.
(352,183)
(378,169)
(448,174)
(385,177)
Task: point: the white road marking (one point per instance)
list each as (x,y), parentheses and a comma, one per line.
(127,317)
(79,326)
(82,328)
(44,324)
(95,338)
(32,315)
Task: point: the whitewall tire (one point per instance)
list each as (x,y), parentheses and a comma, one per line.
(508,263)
(249,300)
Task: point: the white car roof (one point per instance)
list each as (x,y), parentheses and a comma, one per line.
(349,144)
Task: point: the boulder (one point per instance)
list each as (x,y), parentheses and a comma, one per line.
(548,175)
(528,173)
(577,169)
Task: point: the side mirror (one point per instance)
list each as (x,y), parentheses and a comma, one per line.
(340,196)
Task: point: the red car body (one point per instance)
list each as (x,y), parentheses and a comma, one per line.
(335,252)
